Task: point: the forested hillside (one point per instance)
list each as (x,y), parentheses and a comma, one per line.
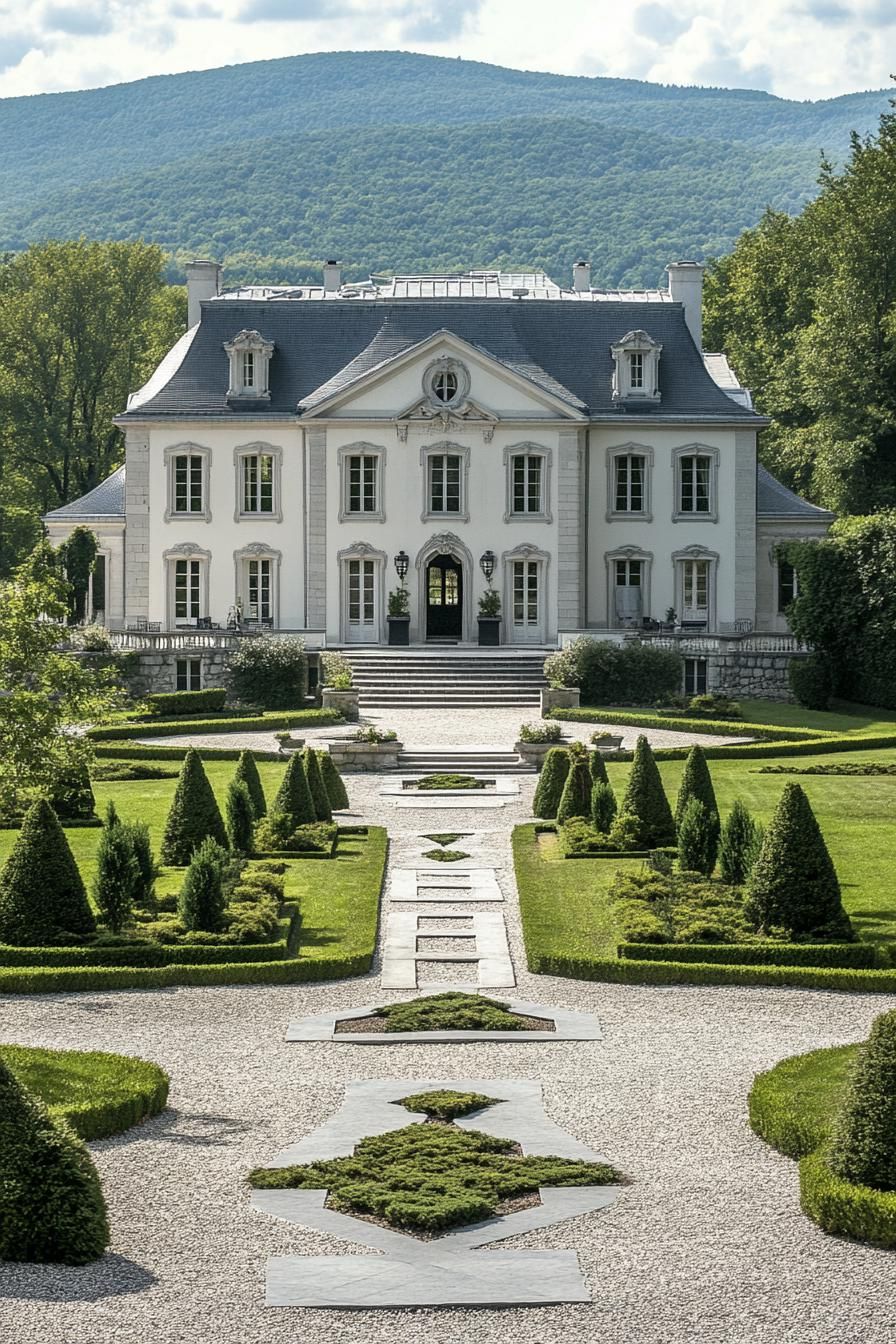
(396,161)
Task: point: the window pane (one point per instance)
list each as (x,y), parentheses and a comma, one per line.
(519,485)
(434,594)
(98,583)
(437,484)
(534,492)
(787,585)
(180,484)
(452,484)
(452,594)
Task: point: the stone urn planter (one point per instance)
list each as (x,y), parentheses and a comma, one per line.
(559,697)
(344,702)
(609,742)
(289,745)
(533,753)
(363,757)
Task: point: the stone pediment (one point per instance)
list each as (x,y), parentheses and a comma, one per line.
(468,415)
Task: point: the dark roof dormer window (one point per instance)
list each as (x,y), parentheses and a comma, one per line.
(249,354)
(636,368)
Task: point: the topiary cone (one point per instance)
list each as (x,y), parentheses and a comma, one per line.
(598,767)
(793,883)
(51,1205)
(645,799)
(322,809)
(333,781)
(194,814)
(294,797)
(247,771)
(41,890)
(575,800)
(696,782)
(550,783)
(864,1147)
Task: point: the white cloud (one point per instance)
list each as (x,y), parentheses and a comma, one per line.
(794,48)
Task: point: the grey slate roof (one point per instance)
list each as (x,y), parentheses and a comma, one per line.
(105,500)
(774,500)
(563,347)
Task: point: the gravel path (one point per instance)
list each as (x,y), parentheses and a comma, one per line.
(421,728)
(706,1244)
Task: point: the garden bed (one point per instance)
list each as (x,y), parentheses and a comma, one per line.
(445,1012)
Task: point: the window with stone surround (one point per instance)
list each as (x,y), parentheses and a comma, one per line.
(362,483)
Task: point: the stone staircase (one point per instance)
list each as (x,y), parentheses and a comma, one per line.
(439,679)
(461,761)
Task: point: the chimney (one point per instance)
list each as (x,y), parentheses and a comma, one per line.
(581,275)
(332,277)
(203,282)
(686,288)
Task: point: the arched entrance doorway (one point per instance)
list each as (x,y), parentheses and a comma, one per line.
(444,598)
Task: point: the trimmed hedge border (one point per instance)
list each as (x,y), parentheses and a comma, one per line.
(122,751)
(620,972)
(789,1129)
(844,1209)
(290,970)
(854,955)
(758,751)
(291,718)
(681,723)
(98,1119)
(69,823)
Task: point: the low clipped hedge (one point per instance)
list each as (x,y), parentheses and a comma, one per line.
(289,970)
(645,972)
(122,751)
(856,955)
(844,1209)
(682,723)
(294,718)
(98,1094)
(173,704)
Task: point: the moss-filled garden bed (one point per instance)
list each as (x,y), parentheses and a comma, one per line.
(450,1011)
(447,782)
(434,1176)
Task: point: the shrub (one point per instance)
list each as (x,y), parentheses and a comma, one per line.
(276,831)
(51,1204)
(202,902)
(147,869)
(714,705)
(333,782)
(811,681)
(549,789)
(127,770)
(625,833)
(71,796)
(696,782)
(117,874)
(240,817)
(793,883)
(272,673)
(607,673)
(603,806)
(845,1209)
(247,771)
(698,838)
(864,1147)
(336,670)
(646,800)
(374,735)
(598,767)
(260,879)
(436,783)
(575,800)
(294,797)
(451,1011)
(540,732)
(689,908)
(185,704)
(322,809)
(737,847)
(42,894)
(194,814)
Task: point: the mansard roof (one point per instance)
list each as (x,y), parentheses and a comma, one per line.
(774,500)
(104,502)
(563,347)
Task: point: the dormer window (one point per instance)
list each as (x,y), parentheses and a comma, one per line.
(250,356)
(636,367)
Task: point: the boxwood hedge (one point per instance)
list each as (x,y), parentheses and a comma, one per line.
(862,955)
(844,1209)
(156,727)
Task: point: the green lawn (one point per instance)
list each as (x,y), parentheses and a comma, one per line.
(846,718)
(794,1105)
(98,1094)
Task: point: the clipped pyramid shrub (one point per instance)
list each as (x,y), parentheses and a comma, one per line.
(549,789)
(201,902)
(737,846)
(42,894)
(646,801)
(247,771)
(333,781)
(322,809)
(696,782)
(118,875)
(51,1205)
(240,817)
(603,806)
(575,800)
(793,884)
(864,1147)
(194,814)
(598,767)
(294,797)
(697,838)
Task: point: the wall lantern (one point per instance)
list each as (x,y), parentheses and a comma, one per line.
(402,560)
(487,564)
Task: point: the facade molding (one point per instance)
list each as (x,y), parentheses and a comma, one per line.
(446,543)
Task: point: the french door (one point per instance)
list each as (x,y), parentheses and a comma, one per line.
(361,614)
(695,591)
(259,591)
(527,602)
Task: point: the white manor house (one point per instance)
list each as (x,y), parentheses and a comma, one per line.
(576,445)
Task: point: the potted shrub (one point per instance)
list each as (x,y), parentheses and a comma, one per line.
(607,741)
(337,691)
(398,619)
(490,618)
(535,741)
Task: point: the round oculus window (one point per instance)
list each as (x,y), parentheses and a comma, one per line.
(444,385)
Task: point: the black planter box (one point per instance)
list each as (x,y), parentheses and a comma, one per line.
(490,630)
(399,629)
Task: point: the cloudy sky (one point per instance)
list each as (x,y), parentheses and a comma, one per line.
(794,48)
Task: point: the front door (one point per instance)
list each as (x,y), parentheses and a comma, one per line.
(444,590)
(362,625)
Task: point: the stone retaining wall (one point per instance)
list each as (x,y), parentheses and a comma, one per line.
(150,670)
(751,676)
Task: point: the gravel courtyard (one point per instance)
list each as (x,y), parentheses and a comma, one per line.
(707,1243)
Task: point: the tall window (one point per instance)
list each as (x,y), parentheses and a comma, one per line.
(694,484)
(361,592)
(695,588)
(189,674)
(361,484)
(629,492)
(525,593)
(258,483)
(188,471)
(444,483)
(787,585)
(187,590)
(636,370)
(527,484)
(694,676)
(249,369)
(258,590)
